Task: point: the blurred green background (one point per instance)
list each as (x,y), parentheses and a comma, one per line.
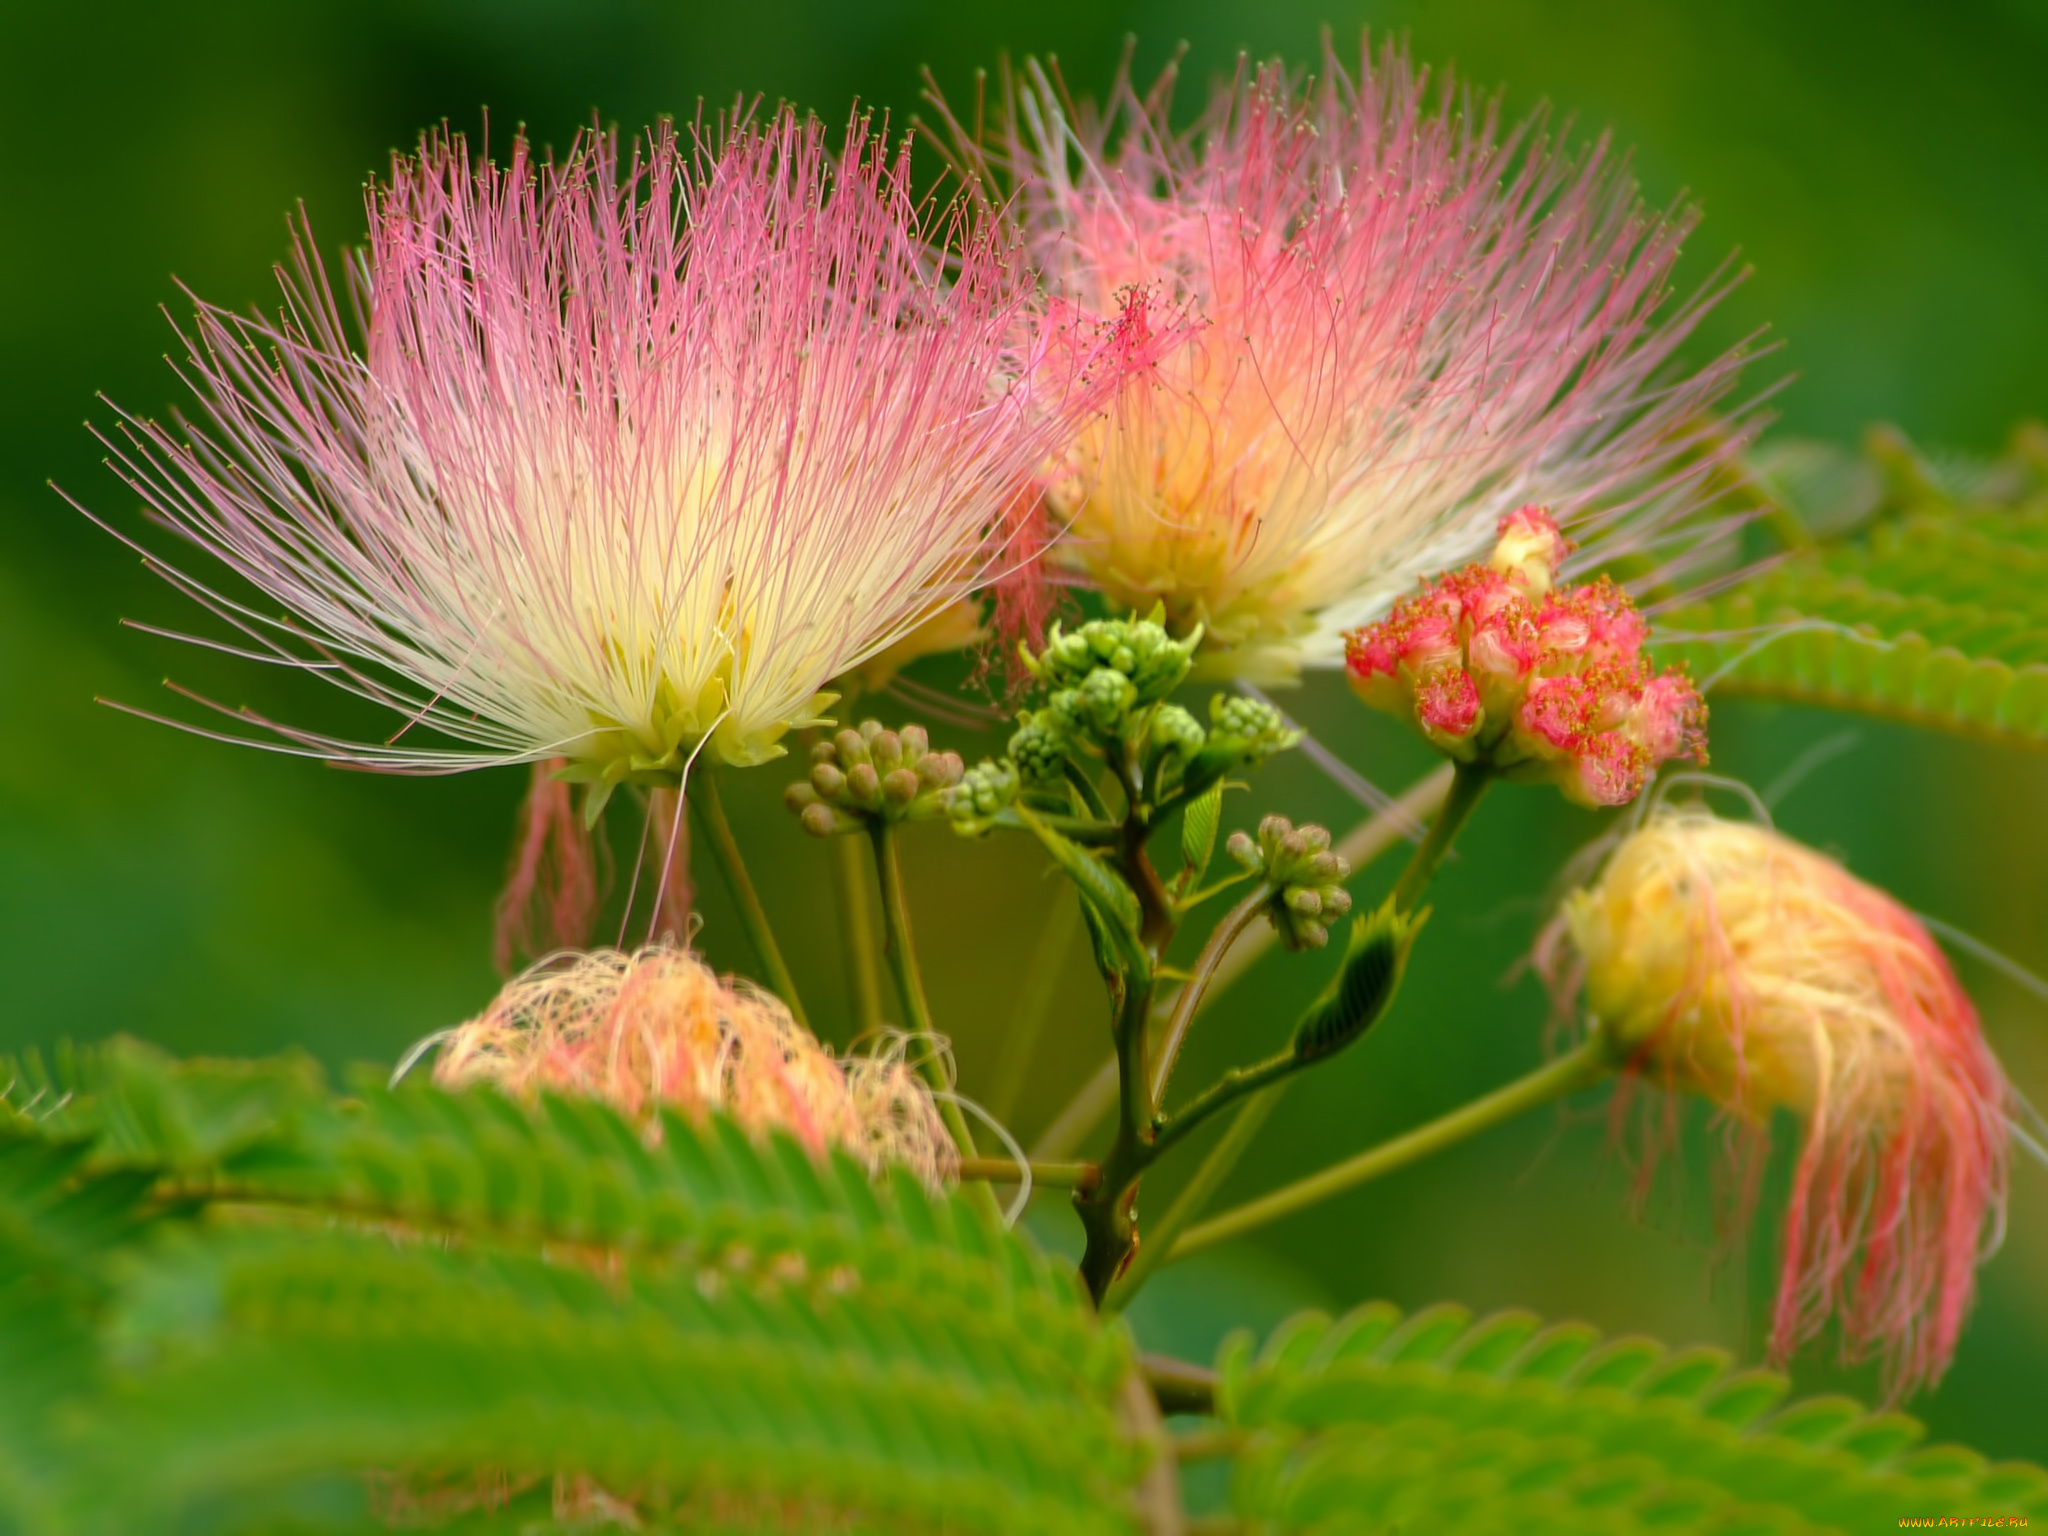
(1883,165)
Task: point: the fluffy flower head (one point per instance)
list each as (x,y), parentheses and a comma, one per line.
(657,1029)
(1731,962)
(1404,324)
(632,458)
(1496,665)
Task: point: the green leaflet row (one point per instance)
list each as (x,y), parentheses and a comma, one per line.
(1379,1422)
(1919,591)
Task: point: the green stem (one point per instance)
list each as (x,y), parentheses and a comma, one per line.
(1191,994)
(1468,783)
(1001,1170)
(857,919)
(1361,846)
(1179,1386)
(1237,1083)
(704,799)
(1578,1069)
(1160,1239)
(902,957)
(1034,1004)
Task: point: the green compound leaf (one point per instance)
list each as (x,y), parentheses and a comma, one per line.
(416,1306)
(1932,608)
(1440,1421)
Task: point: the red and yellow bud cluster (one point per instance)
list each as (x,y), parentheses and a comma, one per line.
(1725,960)
(657,1029)
(1496,665)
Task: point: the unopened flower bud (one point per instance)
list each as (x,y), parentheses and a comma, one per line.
(1103,699)
(1530,550)
(984,792)
(939,770)
(1496,667)
(1039,748)
(820,820)
(900,786)
(1306,876)
(874,773)
(1725,960)
(1139,650)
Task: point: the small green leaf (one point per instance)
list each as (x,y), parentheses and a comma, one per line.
(1359,995)
(1198,828)
(1112,903)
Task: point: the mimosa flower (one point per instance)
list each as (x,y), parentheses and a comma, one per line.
(657,1029)
(1405,323)
(1496,665)
(633,460)
(1728,961)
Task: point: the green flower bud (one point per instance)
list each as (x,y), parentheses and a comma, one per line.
(984,792)
(873,773)
(1103,699)
(1039,748)
(1250,729)
(1138,649)
(1306,876)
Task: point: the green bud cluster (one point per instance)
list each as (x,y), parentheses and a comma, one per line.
(984,792)
(873,774)
(1308,879)
(1039,749)
(1248,729)
(1138,650)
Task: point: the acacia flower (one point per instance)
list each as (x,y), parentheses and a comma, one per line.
(633,459)
(1725,960)
(656,1029)
(1402,324)
(1496,665)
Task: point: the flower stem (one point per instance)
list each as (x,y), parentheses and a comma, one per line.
(1191,994)
(1468,783)
(1159,1242)
(902,957)
(1001,1170)
(1553,1080)
(1360,847)
(703,797)
(857,918)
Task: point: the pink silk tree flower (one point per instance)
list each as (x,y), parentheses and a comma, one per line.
(1402,324)
(1497,665)
(633,460)
(1725,960)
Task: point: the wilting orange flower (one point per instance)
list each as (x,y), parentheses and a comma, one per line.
(1726,960)
(658,1028)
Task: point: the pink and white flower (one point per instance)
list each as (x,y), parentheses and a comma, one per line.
(632,460)
(1405,323)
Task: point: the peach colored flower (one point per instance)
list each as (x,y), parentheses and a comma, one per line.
(1725,960)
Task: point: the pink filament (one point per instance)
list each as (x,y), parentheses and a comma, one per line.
(551,894)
